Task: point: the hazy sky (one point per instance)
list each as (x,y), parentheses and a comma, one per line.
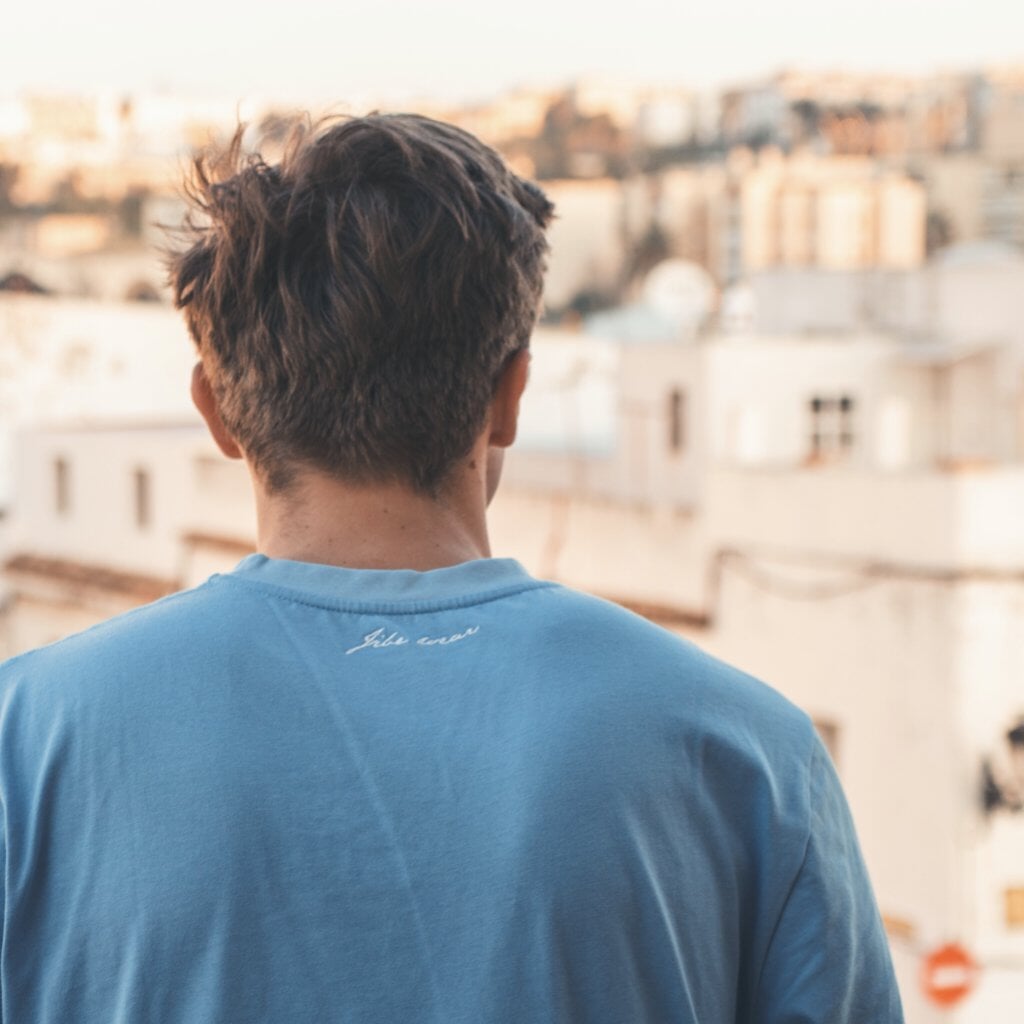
(459,48)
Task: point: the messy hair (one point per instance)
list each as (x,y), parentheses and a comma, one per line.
(355,303)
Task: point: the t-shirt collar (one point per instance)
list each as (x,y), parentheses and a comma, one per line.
(465,583)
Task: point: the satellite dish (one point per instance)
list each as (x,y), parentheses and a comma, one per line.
(681,291)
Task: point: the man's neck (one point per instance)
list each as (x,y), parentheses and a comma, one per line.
(379,526)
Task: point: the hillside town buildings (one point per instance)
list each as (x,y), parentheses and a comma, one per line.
(800,169)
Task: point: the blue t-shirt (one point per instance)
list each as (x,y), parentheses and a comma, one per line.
(299,793)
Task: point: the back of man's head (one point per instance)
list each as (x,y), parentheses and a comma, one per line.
(355,304)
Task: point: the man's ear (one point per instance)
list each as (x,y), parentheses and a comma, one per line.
(202,396)
(504,418)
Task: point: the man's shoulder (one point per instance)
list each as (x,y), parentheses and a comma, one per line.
(648,663)
(153,632)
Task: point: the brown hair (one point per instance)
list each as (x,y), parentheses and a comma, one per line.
(355,304)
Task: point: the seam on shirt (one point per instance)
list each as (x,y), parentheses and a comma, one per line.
(755,992)
(412,607)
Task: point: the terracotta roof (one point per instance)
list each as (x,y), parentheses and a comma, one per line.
(139,585)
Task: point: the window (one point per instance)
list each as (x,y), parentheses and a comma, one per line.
(143,509)
(832,433)
(676,420)
(62,485)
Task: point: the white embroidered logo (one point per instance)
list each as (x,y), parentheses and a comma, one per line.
(382,638)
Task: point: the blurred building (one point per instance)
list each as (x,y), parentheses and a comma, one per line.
(70,234)
(1002,204)
(878,114)
(513,115)
(1003,131)
(843,213)
(764,210)
(750,213)
(112,274)
(121,513)
(71,360)
(589,239)
(971,198)
(960,301)
(799,169)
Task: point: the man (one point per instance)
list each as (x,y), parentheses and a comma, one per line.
(373,774)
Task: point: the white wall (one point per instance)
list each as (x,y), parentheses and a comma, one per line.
(99,526)
(70,359)
(927,521)
(643,553)
(758,392)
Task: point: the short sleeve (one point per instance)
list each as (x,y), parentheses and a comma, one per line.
(828,960)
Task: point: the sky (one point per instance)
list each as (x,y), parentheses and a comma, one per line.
(342,51)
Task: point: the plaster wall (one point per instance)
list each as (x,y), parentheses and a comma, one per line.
(98,524)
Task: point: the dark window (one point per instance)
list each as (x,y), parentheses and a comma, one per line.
(143,509)
(846,408)
(832,425)
(62,485)
(676,420)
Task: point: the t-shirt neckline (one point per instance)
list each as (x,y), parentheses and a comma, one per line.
(333,586)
